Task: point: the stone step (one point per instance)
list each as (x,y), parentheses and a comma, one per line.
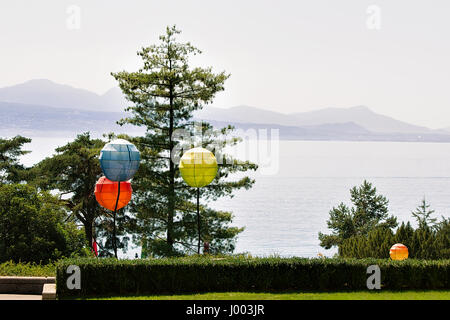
(49,291)
(24,285)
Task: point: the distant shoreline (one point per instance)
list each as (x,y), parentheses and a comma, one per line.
(6,133)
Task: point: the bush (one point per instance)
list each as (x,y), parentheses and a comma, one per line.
(33,226)
(423,243)
(208,274)
(11,268)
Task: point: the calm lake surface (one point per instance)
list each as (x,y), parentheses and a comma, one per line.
(286,209)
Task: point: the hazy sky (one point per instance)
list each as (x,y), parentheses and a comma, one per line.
(291,56)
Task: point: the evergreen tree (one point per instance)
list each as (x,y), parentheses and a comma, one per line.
(104,233)
(370,211)
(442,242)
(73,172)
(11,171)
(353,247)
(426,242)
(422,246)
(379,242)
(164,93)
(375,244)
(404,235)
(423,215)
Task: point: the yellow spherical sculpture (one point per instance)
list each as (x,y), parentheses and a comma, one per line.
(399,252)
(198,167)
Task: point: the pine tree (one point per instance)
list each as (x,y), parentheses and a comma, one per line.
(404,234)
(375,244)
(370,211)
(423,215)
(73,171)
(425,242)
(163,94)
(422,246)
(11,171)
(104,232)
(379,242)
(442,242)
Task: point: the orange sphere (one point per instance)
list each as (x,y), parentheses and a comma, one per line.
(399,252)
(106,193)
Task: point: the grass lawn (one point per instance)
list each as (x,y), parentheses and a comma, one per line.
(359,295)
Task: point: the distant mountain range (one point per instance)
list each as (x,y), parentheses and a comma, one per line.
(44,92)
(36,120)
(41,106)
(359,115)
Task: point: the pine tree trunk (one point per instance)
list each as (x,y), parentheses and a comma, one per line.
(171,209)
(198,222)
(89,231)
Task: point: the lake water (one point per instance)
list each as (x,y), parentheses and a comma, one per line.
(284,212)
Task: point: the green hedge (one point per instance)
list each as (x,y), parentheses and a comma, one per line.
(208,274)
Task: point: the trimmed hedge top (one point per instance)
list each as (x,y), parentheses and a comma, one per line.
(239,273)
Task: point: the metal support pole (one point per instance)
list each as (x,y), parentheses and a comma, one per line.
(198,220)
(114,222)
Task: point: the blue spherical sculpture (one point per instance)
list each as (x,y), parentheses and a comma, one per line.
(119,160)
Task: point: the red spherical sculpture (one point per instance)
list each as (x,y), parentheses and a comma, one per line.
(106,193)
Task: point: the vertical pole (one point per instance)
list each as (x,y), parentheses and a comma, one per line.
(114,222)
(198,220)
(92,237)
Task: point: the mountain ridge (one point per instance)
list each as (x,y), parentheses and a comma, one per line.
(361,115)
(48,93)
(38,120)
(78,106)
